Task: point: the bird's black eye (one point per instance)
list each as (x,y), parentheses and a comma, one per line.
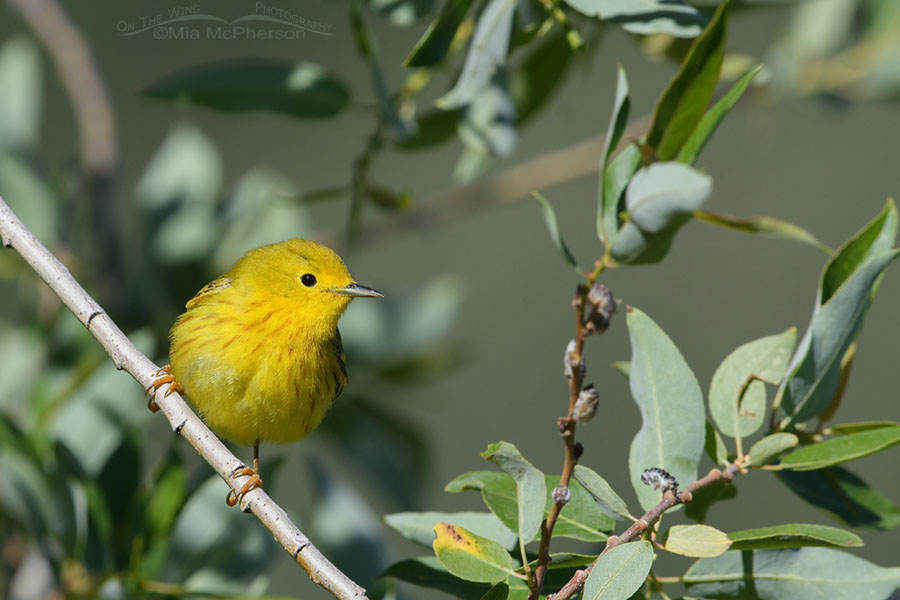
(308,280)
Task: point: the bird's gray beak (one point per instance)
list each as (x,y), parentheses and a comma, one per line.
(357,291)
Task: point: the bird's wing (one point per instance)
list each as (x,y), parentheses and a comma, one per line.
(209,290)
(341,361)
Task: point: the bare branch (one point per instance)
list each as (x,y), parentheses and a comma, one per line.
(183,420)
(646,521)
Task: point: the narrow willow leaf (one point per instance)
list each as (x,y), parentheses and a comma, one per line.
(715,446)
(843,496)
(434,43)
(844,428)
(848,283)
(770,447)
(710,121)
(843,380)
(427,571)
(671,404)
(697,541)
(533,80)
(705,497)
(835,324)
(469,556)
(531,490)
(297,89)
(737,394)
(553,230)
(608,205)
(767,226)
(608,500)
(620,572)
(685,99)
(419,526)
(793,573)
(487,52)
(842,449)
(565,560)
(645,17)
(793,535)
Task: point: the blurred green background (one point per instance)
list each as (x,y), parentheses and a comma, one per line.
(469,351)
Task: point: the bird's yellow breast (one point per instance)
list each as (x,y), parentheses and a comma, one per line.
(258,368)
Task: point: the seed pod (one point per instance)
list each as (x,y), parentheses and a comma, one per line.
(572,361)
(586,406)
(659,479)
(603,307)
(561,494)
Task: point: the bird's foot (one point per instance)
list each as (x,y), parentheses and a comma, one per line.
(163,376)
(254,482)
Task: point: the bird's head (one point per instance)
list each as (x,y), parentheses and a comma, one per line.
(312,277)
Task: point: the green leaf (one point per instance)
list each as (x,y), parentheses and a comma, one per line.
(767,226)
(684,101)
(623,367)
(843,496)
(715,446)
(428,572)
(848,283)
(580,518)
(434,43)
(842,449)
(844,428)
(402,13)
(705,497)
(469,556)
(616,177)
(608,205)
(533,80)
(659,200)
(835,324)
(487,52)
(500,591)
(488,124)
(566,560)
(710,121)
(770,447)
(645,17)
(737,394)
(293,88)
(553,230)
(609,501)
(793,573)
(696,541)
(793,535)
(620,572)
(419,527)
(22,99)
(531,490)
(671,404)
(367,46)
(433,127)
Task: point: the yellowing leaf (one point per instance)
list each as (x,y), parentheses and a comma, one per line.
(469,556)
(697,540)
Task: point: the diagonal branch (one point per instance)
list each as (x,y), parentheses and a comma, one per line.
(646,521)
(183,420)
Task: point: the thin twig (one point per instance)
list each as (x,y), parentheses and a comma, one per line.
(183,420)
(637,529)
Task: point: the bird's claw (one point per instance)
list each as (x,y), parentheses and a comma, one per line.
(163,376)
(254,482)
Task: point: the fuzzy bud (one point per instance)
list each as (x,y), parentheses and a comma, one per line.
(586,405)
(603,307)
(561,494)
(571,361)
(659,479)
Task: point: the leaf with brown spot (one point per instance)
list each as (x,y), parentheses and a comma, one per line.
(469,556)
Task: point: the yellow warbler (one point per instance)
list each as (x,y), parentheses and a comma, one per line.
(258,350)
